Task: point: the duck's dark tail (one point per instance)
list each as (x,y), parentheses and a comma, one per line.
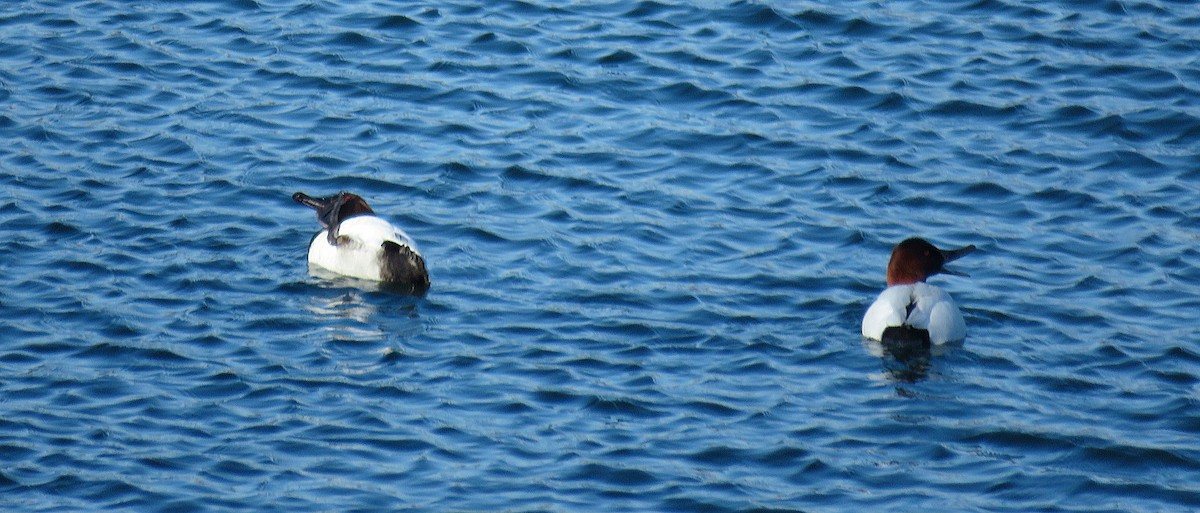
(905,343)
(404,269)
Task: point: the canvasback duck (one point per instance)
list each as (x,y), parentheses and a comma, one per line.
(910,309)
(359,244)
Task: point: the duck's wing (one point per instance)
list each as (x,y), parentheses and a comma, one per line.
(890,309)
(946,323)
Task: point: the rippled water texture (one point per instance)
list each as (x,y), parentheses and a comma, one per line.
(652,229)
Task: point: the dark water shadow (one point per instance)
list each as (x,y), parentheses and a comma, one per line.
(906,360)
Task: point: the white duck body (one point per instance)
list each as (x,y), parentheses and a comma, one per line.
(919,305)
(359,252)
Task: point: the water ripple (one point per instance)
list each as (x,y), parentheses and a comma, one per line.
(652,228)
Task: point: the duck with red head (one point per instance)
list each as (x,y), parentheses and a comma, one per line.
(910,308)
(357,243)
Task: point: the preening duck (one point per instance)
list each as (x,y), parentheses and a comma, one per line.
(357,243)
(911,310)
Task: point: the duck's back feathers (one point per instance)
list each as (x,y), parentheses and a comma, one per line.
(918,306)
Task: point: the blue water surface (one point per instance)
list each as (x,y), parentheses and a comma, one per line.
(652,229)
